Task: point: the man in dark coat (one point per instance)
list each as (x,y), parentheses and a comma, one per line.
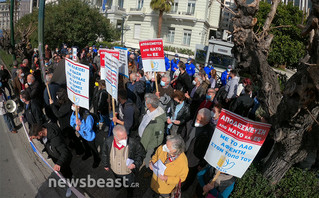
(123,155)
(184,82)
(50,135)
(4,78)
(34,89)
(243,103)
(33,113)
(197,141)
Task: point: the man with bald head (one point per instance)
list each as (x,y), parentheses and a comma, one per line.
(122,155)
(34,89)
(197,141)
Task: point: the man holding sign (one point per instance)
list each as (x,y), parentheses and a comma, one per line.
(234,145)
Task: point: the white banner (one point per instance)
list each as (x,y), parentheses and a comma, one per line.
(152,53)
(235,143)
(74,54)
(123,67)
(77,82)
(112,72)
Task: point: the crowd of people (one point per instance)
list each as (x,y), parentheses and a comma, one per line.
(173,124)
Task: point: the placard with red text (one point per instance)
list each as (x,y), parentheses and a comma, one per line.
(152,53)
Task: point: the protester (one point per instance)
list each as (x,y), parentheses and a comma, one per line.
(32,112)
(243,103)
(167,63)
(84,126)
(210,100)
(165,91)
(122,155)
(4,79)
(173,157)
(222,187)
(62,110)
(197,95)
(231,86)
(51,136)
(183,81)
(241,86)
(152,126)
(206,81)
(197,141)
(178,113)
(126,111)
(34,89)
(8,118)
(52,88)
(18,84)
(213,79)
(225,75)
(47,52)
(101,106)
(215,112)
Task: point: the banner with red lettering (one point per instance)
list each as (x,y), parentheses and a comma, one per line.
(235,143)
(152,53)
(111,72)
(102,53)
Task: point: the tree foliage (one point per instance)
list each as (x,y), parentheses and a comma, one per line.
(72,22)
(288,46)
(161,6)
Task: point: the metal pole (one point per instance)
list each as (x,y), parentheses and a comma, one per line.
(12,29)
(41,36)
(122,32)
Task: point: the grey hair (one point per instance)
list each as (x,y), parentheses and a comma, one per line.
(118,128)
(177,143)
(167,77)
(32,77)
(211,89)
(152,99)
(205,113)
(199,78)
(133,76)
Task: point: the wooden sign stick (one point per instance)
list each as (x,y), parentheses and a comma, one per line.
(156,84)
(113,108)
(220,163)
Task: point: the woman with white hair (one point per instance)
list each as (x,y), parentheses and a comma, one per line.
(173,157)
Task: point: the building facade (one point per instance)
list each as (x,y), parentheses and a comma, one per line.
(187,24)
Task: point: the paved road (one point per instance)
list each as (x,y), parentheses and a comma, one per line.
(21,172)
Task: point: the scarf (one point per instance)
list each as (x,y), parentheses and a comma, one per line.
(147,118)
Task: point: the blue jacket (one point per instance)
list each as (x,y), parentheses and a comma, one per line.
(190,69)
(207,70)
(174,66)
(223,77)
(167,64)
(86,128)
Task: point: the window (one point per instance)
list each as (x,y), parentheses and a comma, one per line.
(171,35)
(121,3)
(174,7)
(191,7)
(137,31)
(187,37)
(140,4)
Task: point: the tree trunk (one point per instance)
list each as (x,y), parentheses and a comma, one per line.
(160,21)
(292,114)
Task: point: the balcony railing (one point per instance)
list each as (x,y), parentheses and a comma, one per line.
(135,9)
(188,13)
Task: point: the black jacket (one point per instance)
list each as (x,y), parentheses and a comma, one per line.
(197,99)
(55,145)
(36,92)
(200,143)
(136,152)
(184,83)
(100,102)
(63,113)
(183,115)
(33,114)
(242,105)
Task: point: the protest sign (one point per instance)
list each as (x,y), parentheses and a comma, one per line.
(123,67)
(74,54)
(235,143)
(112,69)
(152,53)
(102,53)
(77,82)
